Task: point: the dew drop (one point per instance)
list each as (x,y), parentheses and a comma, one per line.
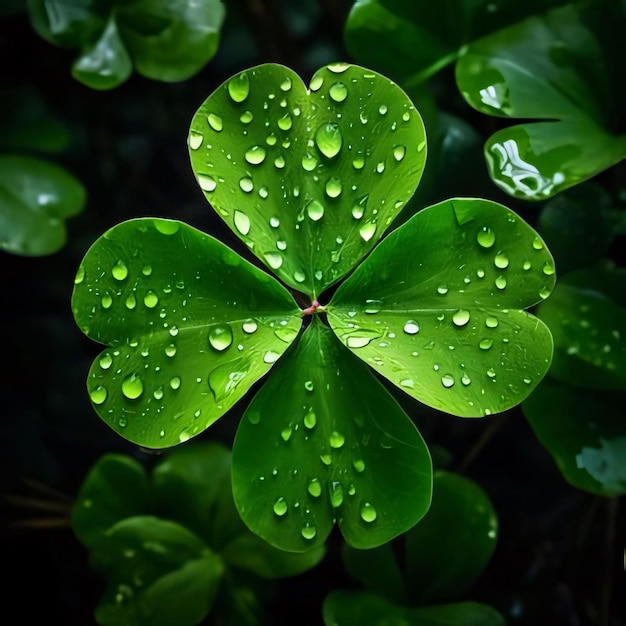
(280,507)
(491,322)
(407,383)
(315,210)
(500,282)
(333,187)
(501,261)
(537,244)
(308,385)
(465,380)
(175,382)
(215,122)
(544,293)
(279,162)
(411,327)
(119,271)
(314,488)
(442,290)
(246,184)
(249,326)
(338,92)
(98,394)
(309,531)
(358,163)
(132,387)
(158,393)
(239,87)
(286,84)
(106,360)
(206,182)
(382,109)
(170,350)
(242,222)
(255,155)
(80,275)
(106,301)
(220,337)
(325,459)
(299,277)
(368,512)
(461,317)
(526,266)
(309,162)
(246,117)
(329,140)
(548,268)
(399,152)
(285,122)
(150,299)
(447,380)
(491,372)
(336,494)
(367,231)
(485,344)
(271,357)
(195,139)
(310,419)
(274,259)
(274,222)
(336,439)
(358,211)
(486,237)
(359,465)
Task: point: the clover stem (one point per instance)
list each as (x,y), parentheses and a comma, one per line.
(315,307)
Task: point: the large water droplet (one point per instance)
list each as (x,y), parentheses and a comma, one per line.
(399,152)
(316,83)
(500,282)
(206,182)
(195,139)
(280,507)
(501,261)
(106,360)
(359,465)
(315,210)
(271,357)
(411,327)
(98,394)
(338,92)
(336,494)
(485,344)
(333,187)
(336,439)
(119,271)
(548,268)
(367,231)
(175,382)
(447,380)
(255,155)
(310,419)
(329,140)
(246,184)
(315,488)
(215,122)
(486,237)
(537,244)
(309,162)
(239,87)
(170,350)
(242,222)
(285,122)
(491,322)
(150,299)
(368,512)
(246,117)
(249,326)
(309,531)
(274,259)
(220,337)
(461,317)
(132,387)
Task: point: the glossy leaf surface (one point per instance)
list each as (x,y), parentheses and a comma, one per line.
(309,178)
(545,68)
(158,572)
(36,197)
(167,40)
(353,608)
(585,433)
(337,447)
(436,308)
(589,331)
(115,488)
(449,549)
(414,40)
(188,334)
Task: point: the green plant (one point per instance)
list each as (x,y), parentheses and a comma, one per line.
(310,181)
(167,40)
(171,544)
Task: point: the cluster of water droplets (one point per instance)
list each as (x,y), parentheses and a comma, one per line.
(302,164)
(339,467)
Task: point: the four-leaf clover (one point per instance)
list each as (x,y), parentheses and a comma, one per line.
(310,179)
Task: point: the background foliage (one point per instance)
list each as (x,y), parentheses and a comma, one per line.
(560,519)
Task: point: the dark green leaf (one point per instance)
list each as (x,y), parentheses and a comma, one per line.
(105,63)
(585,433)
(324,453)
(35,198)
(171,40)
(191,327)
(546,68)
(377,569)
(436,308)
(449,549)
(158,574)
(355,608)
(589,332)
(116,487)
(309,179)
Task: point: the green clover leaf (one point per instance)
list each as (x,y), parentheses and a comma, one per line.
(310,179)
(165,40)
(547,69)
